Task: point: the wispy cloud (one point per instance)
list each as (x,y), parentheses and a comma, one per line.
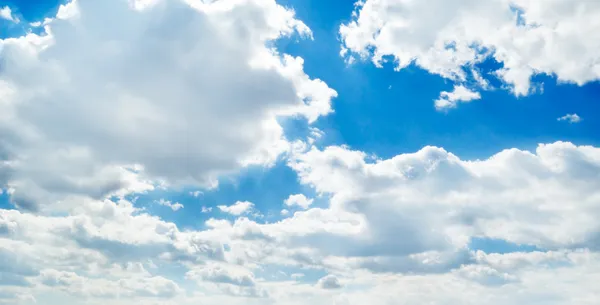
(571,118)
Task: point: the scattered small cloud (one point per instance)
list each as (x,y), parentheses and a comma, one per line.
(238,208)
(174,206)
(297,276)
(571,118)
(298,200)
(206,209)
(196,194)
(315,134)
(460,94)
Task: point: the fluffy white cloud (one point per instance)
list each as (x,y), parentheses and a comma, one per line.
(571,118)
(101,251)
(169,90)
(438,202)
(133,287)
(298,200)
(238,208)
(449,38)
(329,282)
(6,14)
(400,222)
(460,94)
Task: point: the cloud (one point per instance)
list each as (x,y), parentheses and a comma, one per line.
(174,206)
(238,208)
(219,273)
(6,14)
(399,222)
(297,276)
(449,38)
(298,200)
(460,94)
(438,201)
(87,108)
(171,93)
(571,118)
(196,194)
(130,288)
(329,282)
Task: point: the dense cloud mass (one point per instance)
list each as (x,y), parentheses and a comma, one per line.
(170,93)
(403,222)
(171,90)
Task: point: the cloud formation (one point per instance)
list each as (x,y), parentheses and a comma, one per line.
(571,118)
(450,38)
(299,200)
(168,90)
(238,208)
(6,14)
(173,93)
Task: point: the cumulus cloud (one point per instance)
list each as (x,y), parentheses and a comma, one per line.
(87,287)
(88,106)
(329,282)
(571,118)
(238,208)
(404,221)
(460,94)
(173,93)
(219,273)
(439,201)
(298,200)
(449,38)
(6,14)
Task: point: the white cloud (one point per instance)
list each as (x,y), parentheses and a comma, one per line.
(229,279)
(87,113)
(329,282)
(460,94)
(399,222)
(438,201)
(238,208)
(298,200)
(97,253)
(226,274)
(196,194)
(6,13)
(174,206)
(76,285)
(297,276)
(449,37)
(571,118)
(84,104)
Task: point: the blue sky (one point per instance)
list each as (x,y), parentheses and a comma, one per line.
(486,194)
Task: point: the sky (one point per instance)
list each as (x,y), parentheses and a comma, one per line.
(293,152)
